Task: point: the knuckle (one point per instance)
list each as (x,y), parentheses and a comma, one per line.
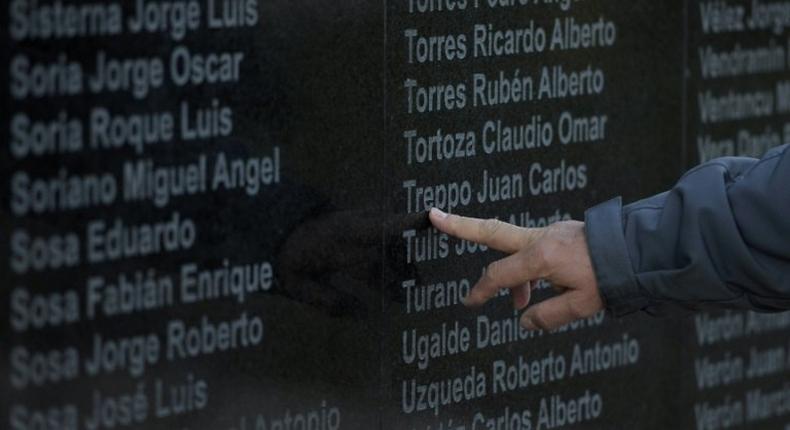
(566,233)
(531,236)
(526,240)
(540,257)
(489,228)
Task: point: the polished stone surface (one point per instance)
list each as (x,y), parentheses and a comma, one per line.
(234,215)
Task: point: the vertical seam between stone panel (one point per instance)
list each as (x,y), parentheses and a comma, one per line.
(386,207)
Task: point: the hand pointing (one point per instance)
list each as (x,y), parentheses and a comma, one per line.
(557,253)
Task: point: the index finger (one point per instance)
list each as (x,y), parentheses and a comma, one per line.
(492,233)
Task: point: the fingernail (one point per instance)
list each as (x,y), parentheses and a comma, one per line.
(438,213)
(527,323)
(465,300)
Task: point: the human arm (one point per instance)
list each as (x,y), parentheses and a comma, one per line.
(719,238)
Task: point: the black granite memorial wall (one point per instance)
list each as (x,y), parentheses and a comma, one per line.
(213,211)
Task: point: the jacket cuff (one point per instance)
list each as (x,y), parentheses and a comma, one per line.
(611,262)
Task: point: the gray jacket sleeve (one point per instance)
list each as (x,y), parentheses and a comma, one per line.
(719,239)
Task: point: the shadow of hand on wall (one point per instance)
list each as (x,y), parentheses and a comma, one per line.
(335,261)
